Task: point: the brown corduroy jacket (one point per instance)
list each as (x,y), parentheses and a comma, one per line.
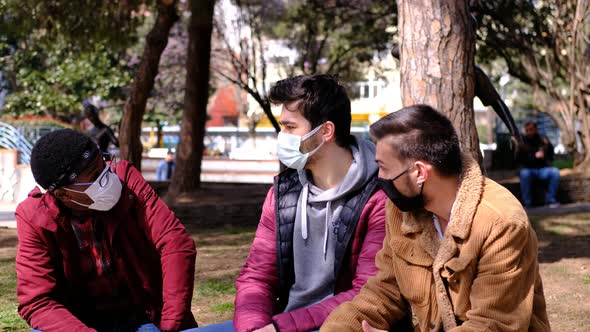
(482,276)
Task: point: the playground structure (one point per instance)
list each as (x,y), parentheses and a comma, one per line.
(15,156)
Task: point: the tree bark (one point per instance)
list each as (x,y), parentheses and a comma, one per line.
(159,134)
(583,161)
(187,175)
(156,41)
(558,110)
(437,48)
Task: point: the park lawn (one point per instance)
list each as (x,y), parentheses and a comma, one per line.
(564,253)
(9,318)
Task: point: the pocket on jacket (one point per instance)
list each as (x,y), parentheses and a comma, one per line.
(413,272)
(459,273)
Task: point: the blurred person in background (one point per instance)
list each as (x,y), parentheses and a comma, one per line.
(166,167)
(535,155)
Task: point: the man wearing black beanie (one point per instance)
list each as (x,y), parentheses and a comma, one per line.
(98,250)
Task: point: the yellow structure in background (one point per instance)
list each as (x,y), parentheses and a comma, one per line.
(365,118)
(151,141)
(376,96)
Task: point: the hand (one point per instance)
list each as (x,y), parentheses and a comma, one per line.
(267,328)
(368,328)
(540,154)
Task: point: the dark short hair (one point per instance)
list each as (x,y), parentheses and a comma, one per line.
(422,133)
(322,99)
(530,123)
(54,155)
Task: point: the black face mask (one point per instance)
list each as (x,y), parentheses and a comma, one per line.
(404,203)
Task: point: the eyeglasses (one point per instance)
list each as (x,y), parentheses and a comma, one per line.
(110,158)
(103,180)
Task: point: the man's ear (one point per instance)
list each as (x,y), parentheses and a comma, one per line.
(328,131)
(61,194)
(423,170)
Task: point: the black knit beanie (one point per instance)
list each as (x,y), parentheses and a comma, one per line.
(58,157)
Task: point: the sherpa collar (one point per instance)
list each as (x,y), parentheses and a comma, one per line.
(466,203)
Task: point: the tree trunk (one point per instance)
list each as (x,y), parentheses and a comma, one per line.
(156,41)
(159,134)
(557,109)
(437,42)
(252,132)
(568,136)
(187,175)
(582,162)
(266,107)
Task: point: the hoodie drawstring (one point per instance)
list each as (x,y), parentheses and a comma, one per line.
(305,193)
(328,214)
(304,211)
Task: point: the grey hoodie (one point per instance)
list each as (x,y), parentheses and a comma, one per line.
(313,238)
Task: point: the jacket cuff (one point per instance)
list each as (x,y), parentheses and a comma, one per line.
(285,322)
(169,325)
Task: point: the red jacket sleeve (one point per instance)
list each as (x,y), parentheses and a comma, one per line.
(256,286)
(36,282)
(176,248)
(312,317)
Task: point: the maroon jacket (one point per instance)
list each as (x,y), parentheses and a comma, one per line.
(152,249)
(258,283)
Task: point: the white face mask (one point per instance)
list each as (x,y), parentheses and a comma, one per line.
(105,191)
(289,153)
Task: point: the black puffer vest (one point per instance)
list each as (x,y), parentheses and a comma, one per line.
(287,189)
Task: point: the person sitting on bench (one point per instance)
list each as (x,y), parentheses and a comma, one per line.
(535,154)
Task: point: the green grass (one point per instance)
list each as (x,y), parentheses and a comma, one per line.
(560,230)
(226,230)
(562,270)
(228,236)
(9,318)
(238,230)
(221,308)
(234,240)
(568,225)
(216,287)
(587,280)
(563,163)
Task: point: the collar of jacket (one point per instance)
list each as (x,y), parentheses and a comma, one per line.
(50,215)
(468,198)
